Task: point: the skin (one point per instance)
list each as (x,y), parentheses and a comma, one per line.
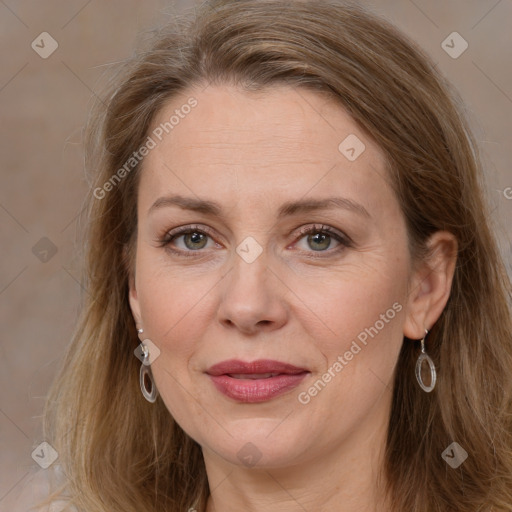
(252,152)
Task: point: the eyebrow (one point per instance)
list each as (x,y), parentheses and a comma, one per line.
(211,208)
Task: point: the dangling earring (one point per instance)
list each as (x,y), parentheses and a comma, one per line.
(145,373)
(425,357)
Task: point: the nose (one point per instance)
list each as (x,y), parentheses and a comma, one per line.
(252,297)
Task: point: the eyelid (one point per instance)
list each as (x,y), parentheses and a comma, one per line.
(326,229)
(184,229)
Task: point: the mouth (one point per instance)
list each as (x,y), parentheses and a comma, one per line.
(261,368)
(257,381)
(253,375)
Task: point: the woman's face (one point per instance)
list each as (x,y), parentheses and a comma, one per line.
(286,247)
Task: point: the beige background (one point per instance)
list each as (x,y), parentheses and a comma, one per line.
(44,103)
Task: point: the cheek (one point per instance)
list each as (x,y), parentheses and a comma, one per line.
(357,329)
(359,340)
(346,305)
(176,308)
(172,307)
(168,295)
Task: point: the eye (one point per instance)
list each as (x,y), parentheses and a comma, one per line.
(193,239)
(319,238)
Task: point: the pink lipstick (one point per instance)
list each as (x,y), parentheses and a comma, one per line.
(257,381)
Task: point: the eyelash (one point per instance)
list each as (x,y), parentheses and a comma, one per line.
(170,236)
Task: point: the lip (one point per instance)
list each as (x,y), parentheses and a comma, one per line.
(227,377)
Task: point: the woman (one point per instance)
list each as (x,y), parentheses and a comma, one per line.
(295,301)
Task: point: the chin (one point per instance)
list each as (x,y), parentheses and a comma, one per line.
(260,443)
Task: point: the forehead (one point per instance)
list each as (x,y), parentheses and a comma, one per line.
(279,138)
(294,119)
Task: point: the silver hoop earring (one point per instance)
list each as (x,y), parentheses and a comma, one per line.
(425,357)
(145,374)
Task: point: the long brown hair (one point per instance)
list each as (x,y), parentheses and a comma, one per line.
(121,454)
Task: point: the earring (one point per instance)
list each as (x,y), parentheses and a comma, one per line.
(425,357)
(146,374)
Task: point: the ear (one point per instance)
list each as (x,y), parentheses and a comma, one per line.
(132,290)
(430,285)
